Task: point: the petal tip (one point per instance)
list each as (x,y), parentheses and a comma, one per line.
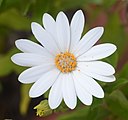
(52,106)
(45,15)
(114,79)
(13,58)
(33,24)
(113,70)
(17,42)
(71,106)
(115,47)
(20,79)
(79,11)
(89,103)
(101,96)
(32,95)
(101,28)
(61,14)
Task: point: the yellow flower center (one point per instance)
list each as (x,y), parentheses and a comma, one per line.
(65,62)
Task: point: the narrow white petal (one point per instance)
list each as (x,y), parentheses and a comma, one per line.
(76,27)
(84,96)
(37,31)
(44,83)
(44,38)
(63,32)
(33,74)
(69,93)
(98,67)
(88,40)
(99,77)
(89,84)
(98,52)
(29,59)
(55,95)
(49,23)
(31,47)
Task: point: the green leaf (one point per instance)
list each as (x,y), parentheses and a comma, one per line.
(25,99)
(12,19)
(118,104)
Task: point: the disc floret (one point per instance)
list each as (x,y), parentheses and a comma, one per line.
(65,62)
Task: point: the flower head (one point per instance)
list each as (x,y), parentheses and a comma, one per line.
(65,62)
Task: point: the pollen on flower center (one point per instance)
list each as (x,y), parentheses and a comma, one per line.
(65,62)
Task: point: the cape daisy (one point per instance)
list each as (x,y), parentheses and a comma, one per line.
(65,61)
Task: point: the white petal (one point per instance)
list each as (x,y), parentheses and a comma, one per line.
(44,38)
(55,95)
(99,77)
(29,59)
(89,84)
(37,30)
(98,52)
(49,23)
(84,96)
(98,67)
(44,83)
(69,93)
(76,27)
(63,32)
(33,74)
(88,40)
(31,47)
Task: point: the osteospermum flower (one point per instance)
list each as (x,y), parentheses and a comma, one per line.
(65,61)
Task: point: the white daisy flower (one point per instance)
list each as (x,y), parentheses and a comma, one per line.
(65,62)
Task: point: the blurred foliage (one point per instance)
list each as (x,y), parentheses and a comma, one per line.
(15,21)
(19,23)
(117,34)
(25,99)
(118,104)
